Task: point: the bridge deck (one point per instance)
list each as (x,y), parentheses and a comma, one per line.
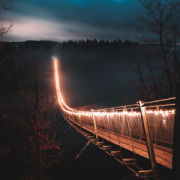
(163,155)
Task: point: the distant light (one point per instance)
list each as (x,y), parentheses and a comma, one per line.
(53,57)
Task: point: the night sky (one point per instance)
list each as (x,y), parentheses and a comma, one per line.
(61,20)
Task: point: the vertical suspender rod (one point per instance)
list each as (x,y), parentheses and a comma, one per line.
(148,139)
(95,125)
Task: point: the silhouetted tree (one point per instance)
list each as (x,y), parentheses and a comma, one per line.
(115,43)
(6,52)
(4,30)
(25,47)
(107,43)
(159,26)
(94,44)
(21,47)
(119,42)
(63,45)
(47,47)
(126,42)
(34,111)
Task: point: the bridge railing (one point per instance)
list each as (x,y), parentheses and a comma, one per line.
(145,124)
(124,125)
(127,121)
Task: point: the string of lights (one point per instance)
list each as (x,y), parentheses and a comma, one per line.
(103,122)
(71,111)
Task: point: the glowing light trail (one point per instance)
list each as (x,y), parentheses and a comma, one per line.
(69,110)
(123,122)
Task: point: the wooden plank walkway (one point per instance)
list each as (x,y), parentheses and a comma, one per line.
(163,155)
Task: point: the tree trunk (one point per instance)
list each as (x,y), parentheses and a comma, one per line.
(40,163)
(167,68)
(152,77)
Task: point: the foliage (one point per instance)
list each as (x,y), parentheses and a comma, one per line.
(33,113)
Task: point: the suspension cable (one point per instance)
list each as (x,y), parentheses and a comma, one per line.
(129,177)
(160,100)
(77,156)
(161,105)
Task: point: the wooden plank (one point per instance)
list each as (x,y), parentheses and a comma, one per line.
(93,140)
(105,148)
(90,137)
(130,161)
(163,155)
(116,153)
(99,143)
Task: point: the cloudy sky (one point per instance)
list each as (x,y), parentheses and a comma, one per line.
(60,20)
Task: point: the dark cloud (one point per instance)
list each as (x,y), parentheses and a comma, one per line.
(79,19)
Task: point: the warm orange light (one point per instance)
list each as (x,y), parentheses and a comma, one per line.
(60,99)
(69,110)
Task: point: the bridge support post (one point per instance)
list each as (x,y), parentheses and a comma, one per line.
(80,120)
(176,147)
(114,120)
(73,117)
(123,121)
(95,125)
(148,139)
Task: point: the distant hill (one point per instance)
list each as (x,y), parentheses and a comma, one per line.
(93,44)
(36,44)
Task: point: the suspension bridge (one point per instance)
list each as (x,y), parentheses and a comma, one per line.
(144,128)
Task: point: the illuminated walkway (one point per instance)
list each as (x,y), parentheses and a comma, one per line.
(145,128)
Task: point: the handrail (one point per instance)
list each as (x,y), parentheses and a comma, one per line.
(122,113)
